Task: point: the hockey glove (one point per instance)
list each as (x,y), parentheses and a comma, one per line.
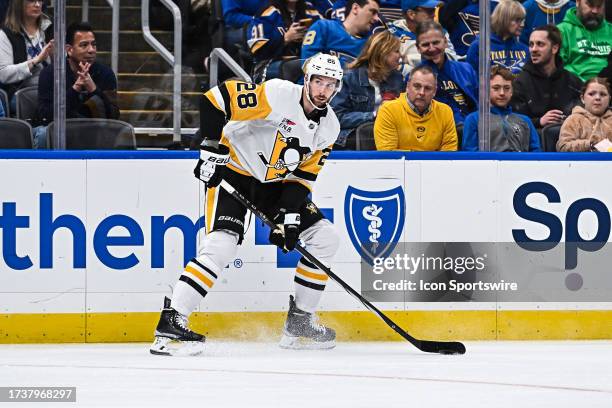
(286,235)
(211,166)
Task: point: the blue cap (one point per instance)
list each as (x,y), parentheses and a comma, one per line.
(413,4)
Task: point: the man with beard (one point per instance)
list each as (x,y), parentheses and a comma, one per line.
(545,91)
(414,121)
(269,142)
(586,39)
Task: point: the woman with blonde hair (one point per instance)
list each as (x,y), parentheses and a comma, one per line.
(25,47)
(372,79)
(588,125)
(507,23)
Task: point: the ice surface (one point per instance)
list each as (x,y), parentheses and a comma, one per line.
(229,374)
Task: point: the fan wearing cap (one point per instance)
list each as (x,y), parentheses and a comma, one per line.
(270,142)
(415,12)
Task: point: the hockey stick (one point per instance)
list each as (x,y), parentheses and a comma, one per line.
(441,347)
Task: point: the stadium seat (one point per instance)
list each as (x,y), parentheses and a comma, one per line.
(550,136)
(364,137)
(292,70)
(96,134)
(15,134)
(5,102)
(26,103)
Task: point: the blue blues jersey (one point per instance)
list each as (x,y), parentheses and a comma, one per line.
(237,13)
(265,34)
(467,26)
(539,15)
(457,87)
(511,54)
(390,10)
(329,36)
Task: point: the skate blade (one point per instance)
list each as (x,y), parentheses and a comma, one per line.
(164,346)
(302,343)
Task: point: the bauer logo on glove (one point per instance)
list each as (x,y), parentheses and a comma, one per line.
(211,165)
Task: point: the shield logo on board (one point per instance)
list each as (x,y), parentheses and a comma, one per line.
(374,220)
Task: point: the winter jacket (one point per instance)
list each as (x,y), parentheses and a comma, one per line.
(354,105)
(457,87)
(399,127)
(584,52)
(510,53)
(542,12)
(510,132)
(583,129)
(535,94)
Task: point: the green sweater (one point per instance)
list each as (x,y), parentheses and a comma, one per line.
(584,52)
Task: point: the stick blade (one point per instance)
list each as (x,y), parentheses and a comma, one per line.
(442,347)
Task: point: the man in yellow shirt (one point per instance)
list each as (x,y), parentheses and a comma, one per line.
(414,121)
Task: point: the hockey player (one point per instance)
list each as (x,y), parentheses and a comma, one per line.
(269,141)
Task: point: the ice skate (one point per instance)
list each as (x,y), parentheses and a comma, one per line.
(173,337)
(303,332)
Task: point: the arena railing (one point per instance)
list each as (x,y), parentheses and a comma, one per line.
(116,7)
(174,60)
(219,54)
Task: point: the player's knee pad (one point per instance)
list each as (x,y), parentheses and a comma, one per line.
(321,239)
(219,247)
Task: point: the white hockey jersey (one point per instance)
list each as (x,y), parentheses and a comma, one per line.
(269,136)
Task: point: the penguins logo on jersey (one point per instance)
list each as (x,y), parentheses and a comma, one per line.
(287,154)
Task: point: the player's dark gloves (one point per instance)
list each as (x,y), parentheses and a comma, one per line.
(286,235)
(211,165)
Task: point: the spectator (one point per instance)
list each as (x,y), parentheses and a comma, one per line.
(338,11)
(587,126)
(277,34)
(462,20)
(372,79)
(344,39)
(542,12)
(607,71)
(414,121)
(510,132)
(587,39)
(239,13)
(545,91)
(457,81)
(415,12)
(24,49)
(506,24)
(91,88)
